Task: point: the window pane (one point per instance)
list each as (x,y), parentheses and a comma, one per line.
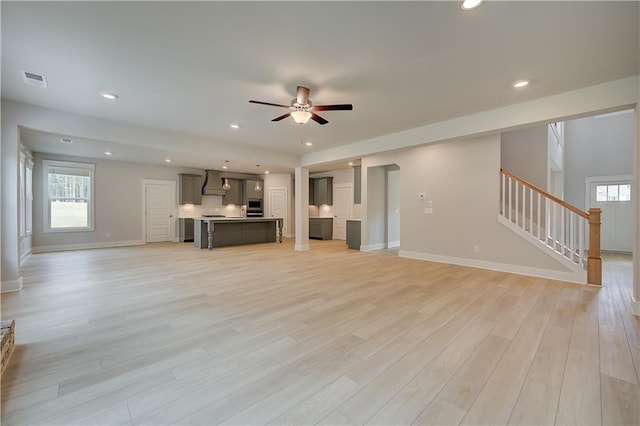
(69,214)
(625,192)
(64,186)
(612,193)
(601,193)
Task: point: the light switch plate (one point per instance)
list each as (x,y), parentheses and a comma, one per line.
(428,210)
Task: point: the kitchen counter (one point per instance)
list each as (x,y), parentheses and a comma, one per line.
(212,232)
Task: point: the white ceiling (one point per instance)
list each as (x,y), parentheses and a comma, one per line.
(191,68)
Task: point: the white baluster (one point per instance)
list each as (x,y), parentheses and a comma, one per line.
(572,235)
(531,211)
(516,205)
(562,239)
(539,221)
(510,199)
(504,200)
(524,207)
(581,242)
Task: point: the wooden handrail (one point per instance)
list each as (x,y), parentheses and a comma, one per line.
(546,194)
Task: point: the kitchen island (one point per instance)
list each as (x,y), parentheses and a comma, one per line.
(212,232)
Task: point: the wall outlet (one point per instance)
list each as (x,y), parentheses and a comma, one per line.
(476,249)
(430,203)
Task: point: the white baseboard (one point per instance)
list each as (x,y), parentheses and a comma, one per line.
(85,246)
(635,306)
(372,247)
(301,247)
(574,277)
(25,256)
(393,244)
(10,286)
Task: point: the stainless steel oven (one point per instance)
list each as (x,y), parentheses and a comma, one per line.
(254,207)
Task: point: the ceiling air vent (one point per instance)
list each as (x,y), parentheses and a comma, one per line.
(34,79)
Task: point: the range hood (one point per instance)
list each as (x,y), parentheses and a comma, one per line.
(212,183)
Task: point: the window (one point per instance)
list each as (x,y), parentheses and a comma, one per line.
(68,196)
(614,192)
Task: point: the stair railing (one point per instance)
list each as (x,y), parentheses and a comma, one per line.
(555,223)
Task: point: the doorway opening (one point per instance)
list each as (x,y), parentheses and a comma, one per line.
(383,207)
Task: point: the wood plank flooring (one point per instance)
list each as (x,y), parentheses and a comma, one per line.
(168,334)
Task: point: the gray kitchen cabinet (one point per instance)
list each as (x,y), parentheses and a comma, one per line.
(321,228)
(189,188)
(321,191)
(357,184)
(185,229)
(234,195)
(353,234)
(250,189)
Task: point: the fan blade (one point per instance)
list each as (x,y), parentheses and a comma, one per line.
(282,117)
(302,95)
(318,119)
(269,103)
(340,107)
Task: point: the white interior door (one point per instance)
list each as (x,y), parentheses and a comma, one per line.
(159,211)
(614,198)
(342,206)
(278,205)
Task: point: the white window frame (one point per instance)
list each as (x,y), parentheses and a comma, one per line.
(46,166)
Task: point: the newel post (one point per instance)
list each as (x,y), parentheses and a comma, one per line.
(594,261)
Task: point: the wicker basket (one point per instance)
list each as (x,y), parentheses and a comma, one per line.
(8,333)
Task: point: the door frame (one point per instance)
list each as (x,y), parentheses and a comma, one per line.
(146,182)
(350,187)
(285,218)
(590,180)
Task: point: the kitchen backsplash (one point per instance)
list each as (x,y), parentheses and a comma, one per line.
(322,211)
(211,204)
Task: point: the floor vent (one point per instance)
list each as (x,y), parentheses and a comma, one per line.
(34,79)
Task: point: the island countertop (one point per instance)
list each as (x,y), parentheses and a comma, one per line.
(237,219)
(212,232)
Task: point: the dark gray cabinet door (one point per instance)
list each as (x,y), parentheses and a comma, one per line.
(234,195)
(189,188)
(321,228)
(321,191)
(353,234)
(357,184)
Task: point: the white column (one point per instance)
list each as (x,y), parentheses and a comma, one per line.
(302,209)
(10,272)
(635,306)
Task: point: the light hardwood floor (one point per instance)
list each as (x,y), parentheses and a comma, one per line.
(168,334)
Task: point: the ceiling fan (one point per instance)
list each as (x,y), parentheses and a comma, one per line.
(302,109)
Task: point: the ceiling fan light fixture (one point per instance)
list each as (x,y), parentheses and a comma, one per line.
(301,117)
(470,4)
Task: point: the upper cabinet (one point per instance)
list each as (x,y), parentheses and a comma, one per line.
(189,188)
(250,189)
(321,191)
(234,195)
(357,184)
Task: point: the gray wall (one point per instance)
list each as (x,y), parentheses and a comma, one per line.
(524,153)
(596,147)
(118,201)
(461,178)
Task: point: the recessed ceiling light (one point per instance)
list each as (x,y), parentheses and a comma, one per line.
(351,163)
(108,153)
(110,96)
(266,172)
(167,160)
(234,125)
(66,140)
(521,83)
(470,4)
(308,143)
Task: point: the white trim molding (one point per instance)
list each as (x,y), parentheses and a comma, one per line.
(301,247)
(11,286)
(372,247)
(87,246)
(501,267)
(635,306)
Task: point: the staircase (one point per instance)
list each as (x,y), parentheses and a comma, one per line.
(566,233)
